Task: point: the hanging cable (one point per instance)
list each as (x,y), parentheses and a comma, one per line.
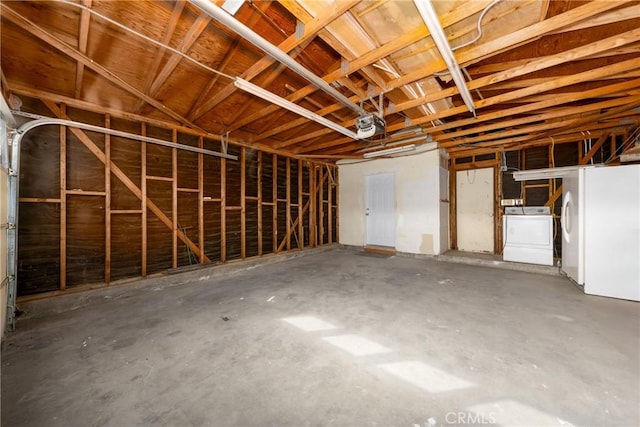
(479,26)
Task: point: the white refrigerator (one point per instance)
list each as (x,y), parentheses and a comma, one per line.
(600,221)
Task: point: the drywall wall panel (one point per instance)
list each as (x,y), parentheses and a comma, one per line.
(474,216)
(418,211)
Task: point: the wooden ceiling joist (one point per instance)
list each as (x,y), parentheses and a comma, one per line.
(293,41)
(55,42)
(83,31)
(539,68)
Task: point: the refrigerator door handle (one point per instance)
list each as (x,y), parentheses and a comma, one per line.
(565,214)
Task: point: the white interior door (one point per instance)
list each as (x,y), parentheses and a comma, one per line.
(474,210)
(380,210)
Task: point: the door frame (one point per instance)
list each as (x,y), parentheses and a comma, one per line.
(366,204)
(455,166)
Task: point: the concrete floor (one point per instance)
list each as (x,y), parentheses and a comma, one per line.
(335,338)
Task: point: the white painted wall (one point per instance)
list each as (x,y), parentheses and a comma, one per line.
(421,219)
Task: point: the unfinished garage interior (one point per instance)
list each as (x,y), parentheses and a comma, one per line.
(320,213)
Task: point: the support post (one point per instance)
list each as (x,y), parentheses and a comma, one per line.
(63,204)
(107,201)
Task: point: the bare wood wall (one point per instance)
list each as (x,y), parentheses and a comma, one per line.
(96,208)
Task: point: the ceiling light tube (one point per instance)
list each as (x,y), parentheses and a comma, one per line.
(388,151)
(430,19)
(284,103)
(272,50)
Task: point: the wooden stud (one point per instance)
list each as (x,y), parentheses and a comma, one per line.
(330,206)
(336,177)
(288,203)
(453,223)
(201,197)
(321,207)
(295,224)
(160,178)
(259,203)
(107,202)
(312,210)
(174,200)
(497,211)
(275,203)
(38,200)
(243,204)
(86,193)
(63,203)
(143,199)
(118,173)
(300,211)
(125,211)
(223,211)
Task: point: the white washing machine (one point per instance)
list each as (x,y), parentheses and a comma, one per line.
(527,234)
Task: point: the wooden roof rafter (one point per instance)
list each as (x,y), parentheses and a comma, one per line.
(522,69)
(83,36)
(75,54)
(170,28)
(310,30)
(614,69)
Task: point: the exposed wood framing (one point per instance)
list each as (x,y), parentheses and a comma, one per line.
(260,203)
(174,201)
(80,57)
(63,203)
(275,204)
(82,136)
(143,200)
(299,213)
(201,197)
(311,28)
(85,18)
(243,204)
(223,209)
(107,201)
(178,6)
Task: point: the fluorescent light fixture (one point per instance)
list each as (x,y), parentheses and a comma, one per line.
(272,50)
(390,144)
(388,151)
(284,103)
(547,173)
(430,19)
(232,6)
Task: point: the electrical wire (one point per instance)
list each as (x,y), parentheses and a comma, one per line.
(479,26)
(477,37)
